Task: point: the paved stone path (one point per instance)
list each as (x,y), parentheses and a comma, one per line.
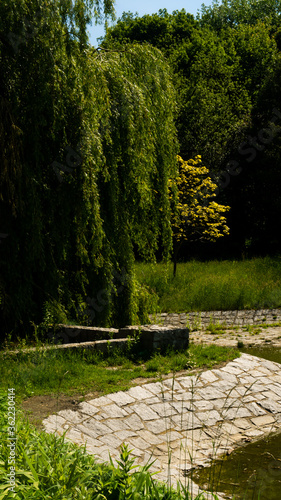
(255,337)
(184,421)
(252,327)
(196,320)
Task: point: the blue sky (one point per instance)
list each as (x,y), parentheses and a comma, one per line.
(147,7)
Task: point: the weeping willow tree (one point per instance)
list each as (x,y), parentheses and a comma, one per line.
(87,147)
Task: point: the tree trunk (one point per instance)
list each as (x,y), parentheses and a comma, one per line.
(175,257)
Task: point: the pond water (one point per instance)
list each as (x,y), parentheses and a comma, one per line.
(271,353)
(253,472)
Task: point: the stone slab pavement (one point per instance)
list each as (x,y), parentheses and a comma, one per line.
(180,422)
(254,328)
(264,336)
(202,319)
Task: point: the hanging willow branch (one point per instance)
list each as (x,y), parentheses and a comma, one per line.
(83,220)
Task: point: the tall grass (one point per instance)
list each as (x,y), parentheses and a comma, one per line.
(214,285)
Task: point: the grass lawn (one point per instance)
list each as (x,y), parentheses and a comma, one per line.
(214,285)
(65,372)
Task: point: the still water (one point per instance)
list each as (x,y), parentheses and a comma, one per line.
(252,472)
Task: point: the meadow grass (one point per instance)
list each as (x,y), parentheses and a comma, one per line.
(40,372)
(214,285)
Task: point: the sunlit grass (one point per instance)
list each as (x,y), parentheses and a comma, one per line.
(214,285)
(56,371)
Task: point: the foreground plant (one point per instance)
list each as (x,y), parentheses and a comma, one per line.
(48,467)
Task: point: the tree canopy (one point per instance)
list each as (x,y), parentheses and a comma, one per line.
(211,102)
(232,13)
(225,65)
(89,140)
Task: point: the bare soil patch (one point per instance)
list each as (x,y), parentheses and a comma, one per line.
(36,408)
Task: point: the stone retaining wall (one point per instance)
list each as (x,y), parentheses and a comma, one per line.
(198,320)
(151,337)
(74,334)
(155,337)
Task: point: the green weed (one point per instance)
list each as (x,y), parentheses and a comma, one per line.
(48,467)
(195,323)
(215,329)
(253,330)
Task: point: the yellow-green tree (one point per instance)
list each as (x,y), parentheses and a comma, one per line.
(196,216)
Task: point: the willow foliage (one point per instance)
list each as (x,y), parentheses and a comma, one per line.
(88,147)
